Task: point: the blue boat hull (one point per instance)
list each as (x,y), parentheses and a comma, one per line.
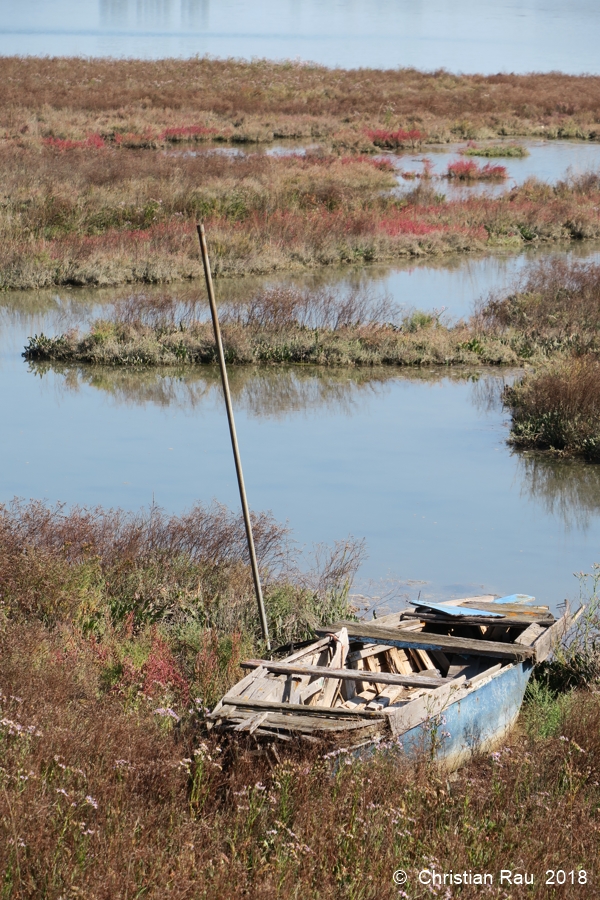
(475,723)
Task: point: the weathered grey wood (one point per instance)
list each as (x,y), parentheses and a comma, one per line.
(283,668)
(306,651)
(484,674)
(299,708)
(530,634)
(365,652)
(301,724)
(337,662)
(251,723)
(425,641)
(239,687)
(552,636)
(313,688)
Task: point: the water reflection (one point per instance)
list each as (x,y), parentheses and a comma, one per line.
(566,489)
(454,282)
(259,392)
(154,15)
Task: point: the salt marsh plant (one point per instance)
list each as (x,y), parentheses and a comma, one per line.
(493,151)
(469,170)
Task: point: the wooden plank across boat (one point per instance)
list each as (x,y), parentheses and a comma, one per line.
(444,677)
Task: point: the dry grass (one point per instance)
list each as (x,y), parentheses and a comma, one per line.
(106,570)
(105,168)
(116,629)
(176,99)
(104,798)
(556,305)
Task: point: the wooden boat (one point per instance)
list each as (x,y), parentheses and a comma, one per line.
(446,678)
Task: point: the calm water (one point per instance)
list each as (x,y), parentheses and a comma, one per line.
(416,463)
(548,160)
(461,35)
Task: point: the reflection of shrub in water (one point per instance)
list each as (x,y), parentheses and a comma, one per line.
(568,489)
(259,392)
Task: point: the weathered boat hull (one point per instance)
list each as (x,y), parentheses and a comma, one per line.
(474,723)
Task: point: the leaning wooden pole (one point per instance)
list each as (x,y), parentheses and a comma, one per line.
(232,432)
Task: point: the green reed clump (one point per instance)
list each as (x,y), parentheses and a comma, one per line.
(495,151)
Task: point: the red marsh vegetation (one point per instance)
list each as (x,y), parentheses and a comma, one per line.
(108,213)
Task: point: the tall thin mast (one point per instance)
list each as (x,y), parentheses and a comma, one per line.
(232,432)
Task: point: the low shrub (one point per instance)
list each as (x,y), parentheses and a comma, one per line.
(557,408)
(469,170)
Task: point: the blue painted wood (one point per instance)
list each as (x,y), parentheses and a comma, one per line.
(515,598)
(477,722)
(459,611)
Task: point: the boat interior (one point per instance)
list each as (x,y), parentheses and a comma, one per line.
(359,670)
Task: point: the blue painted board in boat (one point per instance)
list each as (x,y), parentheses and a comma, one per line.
(460,610)
(515,598)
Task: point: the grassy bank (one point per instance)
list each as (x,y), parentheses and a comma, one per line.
(552,312)
(276,326)
(116,631)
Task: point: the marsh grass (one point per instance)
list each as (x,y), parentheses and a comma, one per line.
(105,177)
(111,788)
(175,100)
(275,326)
(108,797)
(496,151)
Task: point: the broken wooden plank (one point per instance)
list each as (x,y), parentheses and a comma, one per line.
(531,634)
(297,708)
(512,611)
(552,636)
(427,641)
(337,662)
(283,668)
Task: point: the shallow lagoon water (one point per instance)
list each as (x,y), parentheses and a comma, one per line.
(548,161)
(415,462)
(461,35)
